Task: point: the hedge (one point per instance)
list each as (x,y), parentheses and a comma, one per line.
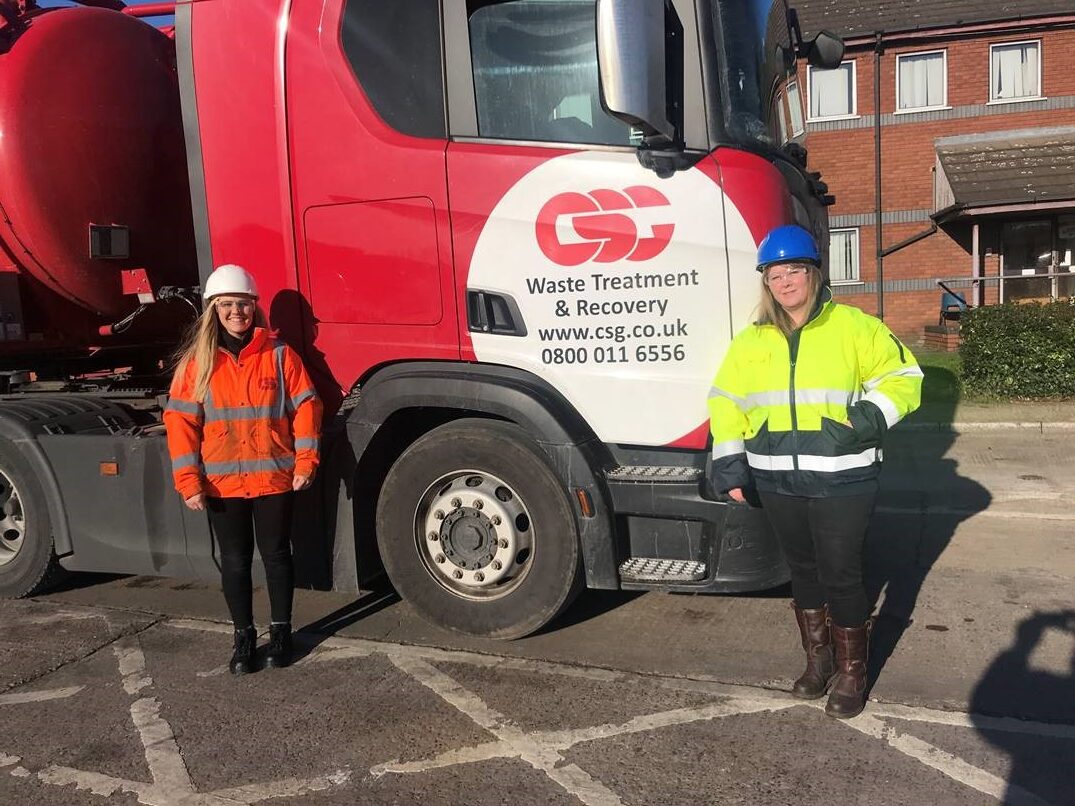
(1019,350)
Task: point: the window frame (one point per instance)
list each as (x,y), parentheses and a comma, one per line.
(993,101)
(857,255)
(791,88)
(854,94)
(462,103)
(944,76)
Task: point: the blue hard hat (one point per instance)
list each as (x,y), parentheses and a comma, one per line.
(788,244)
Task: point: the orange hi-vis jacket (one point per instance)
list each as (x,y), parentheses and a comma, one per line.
(257,428)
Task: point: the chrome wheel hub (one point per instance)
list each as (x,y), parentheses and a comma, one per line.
(474,535)
(12,520)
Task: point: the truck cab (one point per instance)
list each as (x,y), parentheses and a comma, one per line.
(512,240)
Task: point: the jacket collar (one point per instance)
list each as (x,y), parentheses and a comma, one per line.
(824,298)
(257,341)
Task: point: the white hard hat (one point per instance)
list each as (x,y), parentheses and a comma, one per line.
(230,279)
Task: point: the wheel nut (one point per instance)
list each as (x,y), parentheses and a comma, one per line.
(479,576)
(478,503)
(439,514)
(457,574)
(434,536)
(439,558)
(503,543)
(497,565)
(496,520)
(456,503)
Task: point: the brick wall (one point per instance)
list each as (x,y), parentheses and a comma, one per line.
(844,152)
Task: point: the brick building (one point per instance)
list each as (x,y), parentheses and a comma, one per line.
(977,152)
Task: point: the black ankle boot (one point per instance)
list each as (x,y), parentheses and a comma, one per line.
(279,653)
(242,659)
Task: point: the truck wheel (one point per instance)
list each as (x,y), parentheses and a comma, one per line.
(476,531)
(28,564)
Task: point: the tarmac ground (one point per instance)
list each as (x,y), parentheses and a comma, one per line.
(114,689)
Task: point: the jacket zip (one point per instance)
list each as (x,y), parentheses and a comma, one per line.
(793,355)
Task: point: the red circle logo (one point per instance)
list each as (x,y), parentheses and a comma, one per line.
(603,224)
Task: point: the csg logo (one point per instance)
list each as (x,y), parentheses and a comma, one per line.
(605,222)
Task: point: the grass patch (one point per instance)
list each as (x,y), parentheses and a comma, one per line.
(942,384)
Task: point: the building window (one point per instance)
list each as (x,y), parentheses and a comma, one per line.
(843,256)
(1014,71)
(832,92)
(921,81)
(795,104)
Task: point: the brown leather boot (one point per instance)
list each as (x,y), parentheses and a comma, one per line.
(820,664)
(848,695)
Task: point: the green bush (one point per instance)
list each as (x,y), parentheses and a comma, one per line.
(1019,350)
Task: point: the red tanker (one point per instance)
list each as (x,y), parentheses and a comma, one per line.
(94,201)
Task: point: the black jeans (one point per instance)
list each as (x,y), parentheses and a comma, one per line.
(235,523)
(822,539)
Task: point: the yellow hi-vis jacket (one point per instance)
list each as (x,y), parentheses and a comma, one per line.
(779,406)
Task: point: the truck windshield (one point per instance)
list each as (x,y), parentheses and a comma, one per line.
(761,104)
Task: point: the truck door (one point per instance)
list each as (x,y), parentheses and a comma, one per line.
(576,262)
(367,142)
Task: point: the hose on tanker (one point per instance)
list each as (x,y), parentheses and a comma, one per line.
(166,293)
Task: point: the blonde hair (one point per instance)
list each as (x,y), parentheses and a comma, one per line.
(771,312)
(200,344)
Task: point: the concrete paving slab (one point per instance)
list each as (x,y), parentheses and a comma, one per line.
(292,722)
(1035,763)
(795,757)
(73,632)
(534,701)
(90,730)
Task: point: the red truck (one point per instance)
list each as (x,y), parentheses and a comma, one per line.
(510,238)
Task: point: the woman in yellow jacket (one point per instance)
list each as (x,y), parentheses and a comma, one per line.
(799,410)
(243,425)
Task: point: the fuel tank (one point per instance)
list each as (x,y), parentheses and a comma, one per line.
(92,166)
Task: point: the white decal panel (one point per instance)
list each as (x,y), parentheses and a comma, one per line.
(621,279)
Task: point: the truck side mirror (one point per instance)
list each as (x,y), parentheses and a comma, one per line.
(631,62)
(825,51)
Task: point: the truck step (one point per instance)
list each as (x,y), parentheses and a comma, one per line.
(653,569)
(654,474)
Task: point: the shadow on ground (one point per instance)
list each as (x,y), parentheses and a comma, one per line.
(922,501)
(1015,683)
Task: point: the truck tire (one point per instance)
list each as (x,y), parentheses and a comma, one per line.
(476,531)
(28,563)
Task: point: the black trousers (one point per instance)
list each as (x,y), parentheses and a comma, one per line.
(822,540)
(236,522)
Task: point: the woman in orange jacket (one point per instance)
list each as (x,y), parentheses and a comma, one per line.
(243,425)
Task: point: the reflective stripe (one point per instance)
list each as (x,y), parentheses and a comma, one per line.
(888,408)
(184,406)
(835,397)
(782,397)
(834,464)
(760,461)
(251,466)
(820,464)
(308,443)
(903,372)
(231,413)
(281,386)
(715,392)
(775,398)
(302,397)
(729,448)
(185,461)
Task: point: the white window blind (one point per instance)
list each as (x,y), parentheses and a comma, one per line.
(843,255)
(832,92)
(1015,71)
(922,81)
